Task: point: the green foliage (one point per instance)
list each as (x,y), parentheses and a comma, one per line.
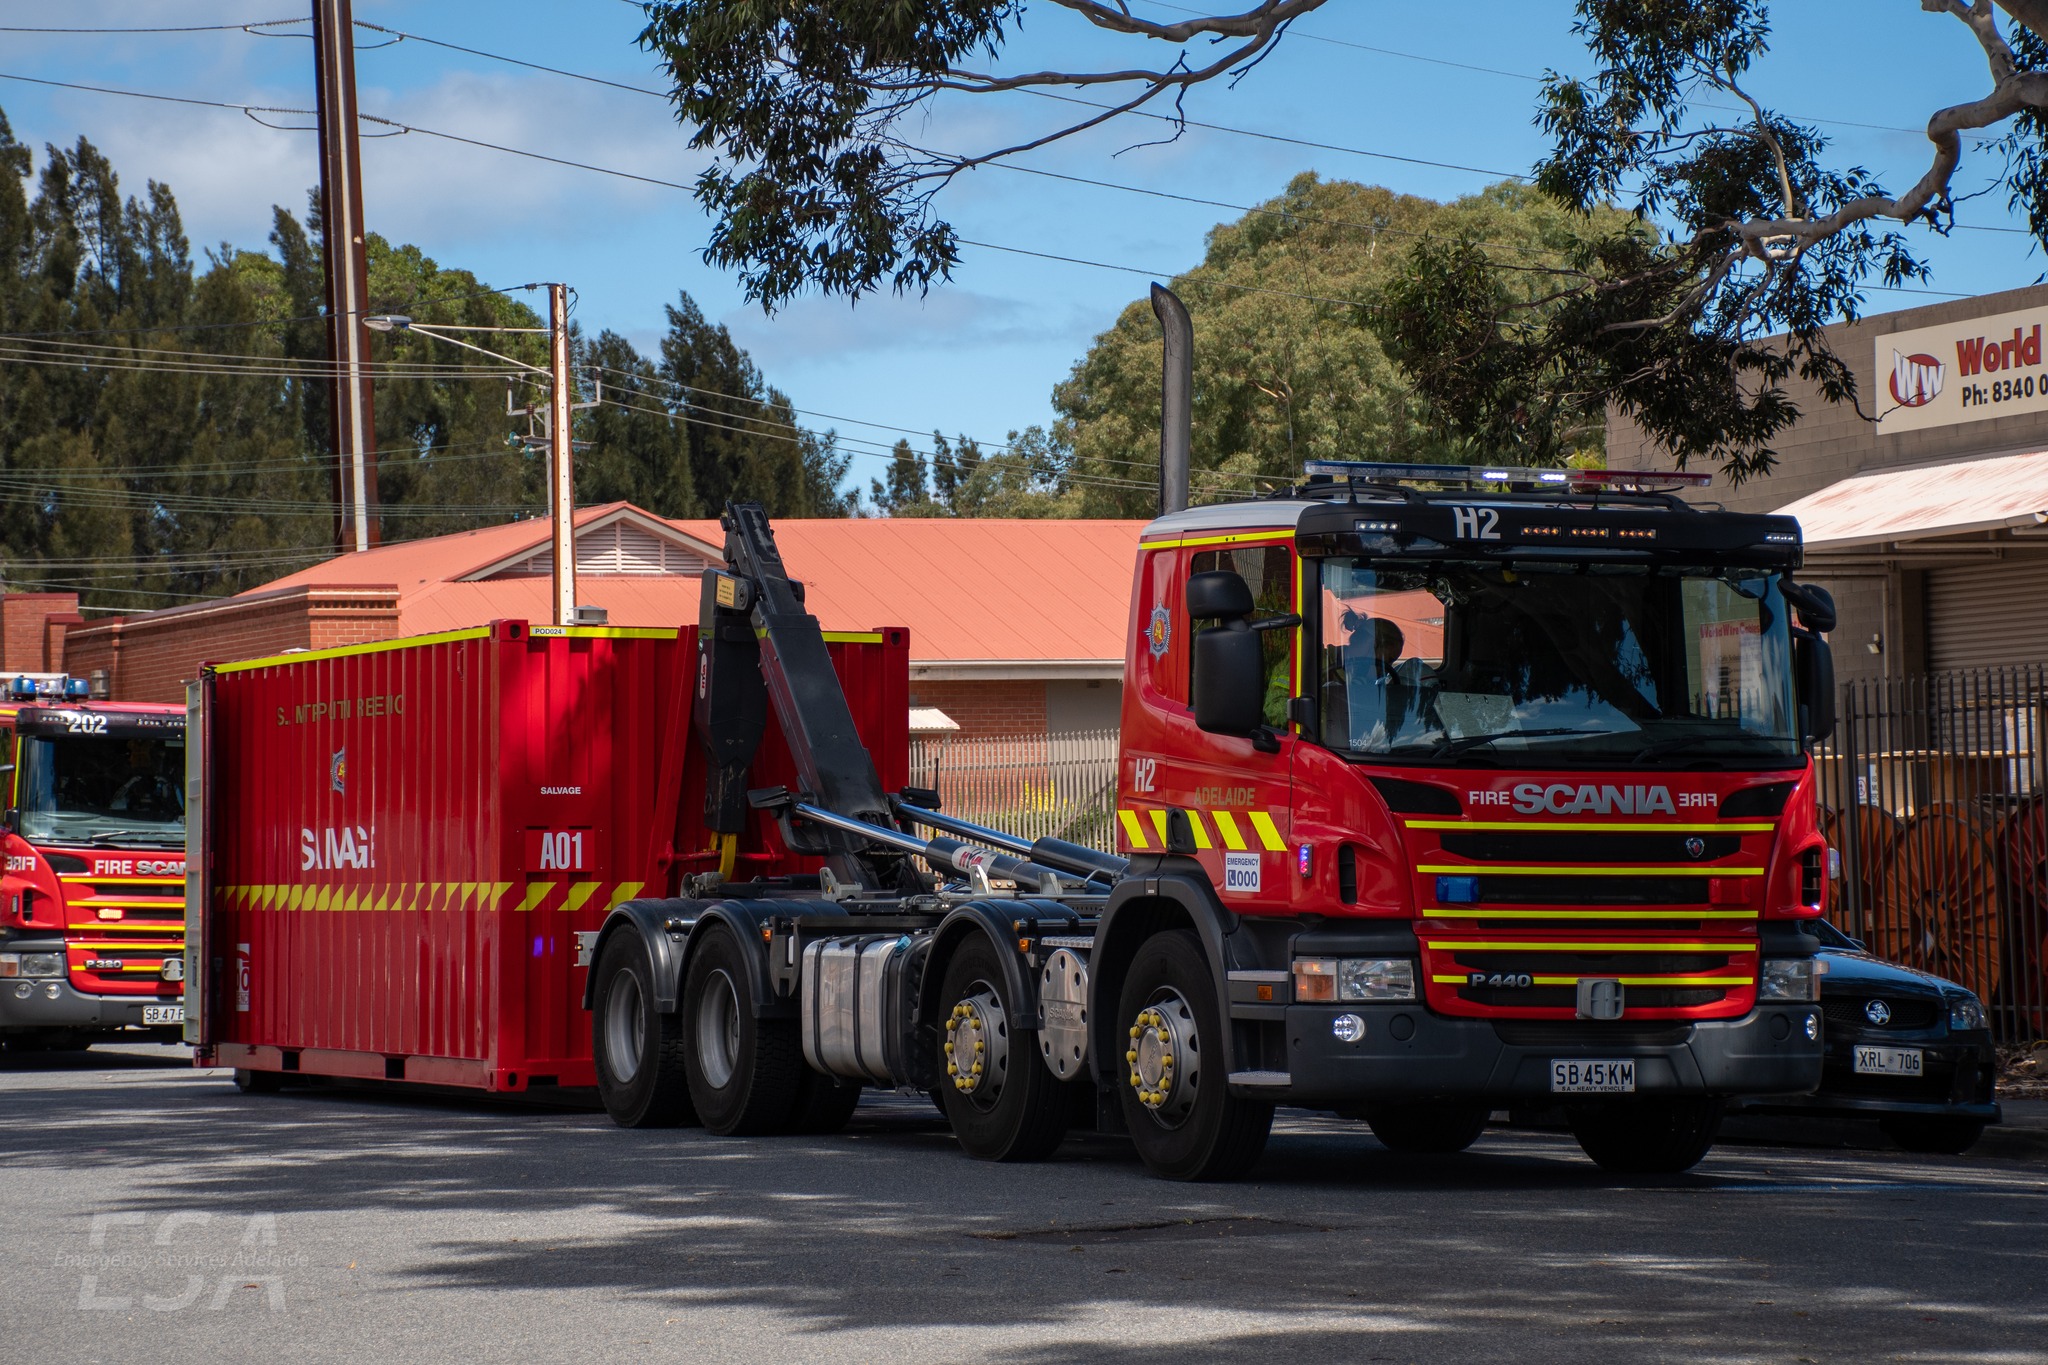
(1290,364)
(164,427)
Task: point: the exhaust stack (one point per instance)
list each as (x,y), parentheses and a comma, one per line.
(1176,398)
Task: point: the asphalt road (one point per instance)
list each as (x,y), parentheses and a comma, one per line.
(150,1213)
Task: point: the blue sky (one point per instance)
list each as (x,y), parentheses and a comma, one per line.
(981,354)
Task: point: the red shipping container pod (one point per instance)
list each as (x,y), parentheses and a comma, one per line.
(400,841)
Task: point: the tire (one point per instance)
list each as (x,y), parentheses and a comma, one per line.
(1934,1134)
(824,1103)
(1196,1130)
(746,1074)
(1658,1135)
(1429,1127)
(258,1082)
(1015,1109)
(637,1050)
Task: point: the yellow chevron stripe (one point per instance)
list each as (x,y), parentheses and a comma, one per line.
(1226,825)
(536,892)
(622,893)
(1201,831)
(1133,830)
(1600,826)
(1269,834)
(1159,823)
(579,893)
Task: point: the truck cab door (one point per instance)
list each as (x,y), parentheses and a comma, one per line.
(1236,799)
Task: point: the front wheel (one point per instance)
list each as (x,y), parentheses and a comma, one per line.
(637,1049)
(1658,1135)
(1176,1095)
(1934,1134)
(1003,1102)
(1428,1127)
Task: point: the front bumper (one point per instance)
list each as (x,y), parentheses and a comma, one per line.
(1407,1052)
(67,1007)
(1959,1080)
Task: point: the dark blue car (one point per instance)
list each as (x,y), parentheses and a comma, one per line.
(1911,1050)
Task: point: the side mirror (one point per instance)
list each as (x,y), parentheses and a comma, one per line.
(1814,669)
(10,820)
(1229,670)
(1815,605)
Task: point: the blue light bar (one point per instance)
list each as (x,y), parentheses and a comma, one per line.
(23,688)
(1574,480)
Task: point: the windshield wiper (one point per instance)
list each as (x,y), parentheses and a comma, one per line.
(1675,743)
(1452,747)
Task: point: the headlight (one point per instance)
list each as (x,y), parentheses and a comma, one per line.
(31,964)
(1790,978)
(1966,1013)
(1353,978)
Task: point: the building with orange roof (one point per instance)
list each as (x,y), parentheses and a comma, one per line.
(1016,627)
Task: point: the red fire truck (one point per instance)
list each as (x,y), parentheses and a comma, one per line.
(92,901)
(1442,790)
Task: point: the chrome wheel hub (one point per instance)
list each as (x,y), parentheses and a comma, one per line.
(977,1047)
(1165,1058)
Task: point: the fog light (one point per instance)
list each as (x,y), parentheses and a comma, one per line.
(1349,1028)
(50,991)
(24,991)
(1812,1028)
(1790,978)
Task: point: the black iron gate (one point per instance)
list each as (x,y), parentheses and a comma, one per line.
(1932,793)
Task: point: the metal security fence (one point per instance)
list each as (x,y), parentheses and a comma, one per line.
(1933,795)
(1063,785)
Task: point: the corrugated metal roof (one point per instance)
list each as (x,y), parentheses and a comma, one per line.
(1936,500)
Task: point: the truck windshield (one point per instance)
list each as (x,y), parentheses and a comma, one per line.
(1526,665)
(103,789)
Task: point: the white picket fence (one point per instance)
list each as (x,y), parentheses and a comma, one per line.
(1060,785)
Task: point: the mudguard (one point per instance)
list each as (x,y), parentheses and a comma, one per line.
(670,928)
(997,920)
(651,920)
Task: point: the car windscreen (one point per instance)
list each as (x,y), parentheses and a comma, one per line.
(1534,664)
(103,789)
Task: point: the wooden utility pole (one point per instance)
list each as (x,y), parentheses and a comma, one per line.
(353,423)
(561,457)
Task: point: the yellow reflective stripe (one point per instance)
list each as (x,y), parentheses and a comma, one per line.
(1159,823)
(1133,830)
(833,637)
(131,945)
(1643,870)
(133,881)
(1478,912)
(100,903)
(1269,835)
(622,893)
(349,651)
(1571,946)
(603,632)
(1464,978)
(1601,826)
(536,892)
(1201,832)
(1226,825)
(1236,538)
(578,894)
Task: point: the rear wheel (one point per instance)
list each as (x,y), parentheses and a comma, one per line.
(1937,1134)
(258,1082)
(637,1049)
(824,1103)
(1003,1102)
(746,1074)
(1176,1096)
(1657,1135)
(1429,1127)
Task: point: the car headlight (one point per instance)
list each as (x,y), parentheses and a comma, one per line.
(1354,978)
(1966,1013)
(1791,978)
(31,964)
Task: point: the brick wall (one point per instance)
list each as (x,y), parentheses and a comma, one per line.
(150,658)
(986,707)
(24,642)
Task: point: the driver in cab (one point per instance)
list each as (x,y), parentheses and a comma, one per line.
(1383,697)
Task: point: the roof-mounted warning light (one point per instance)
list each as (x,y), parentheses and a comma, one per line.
(29,686)
(1514,476)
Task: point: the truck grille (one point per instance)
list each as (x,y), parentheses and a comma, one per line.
(1542,976)
(1495,846)
(1510,889)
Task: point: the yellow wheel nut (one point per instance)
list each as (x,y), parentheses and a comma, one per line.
(949,1048)
(1166,1059)
(979,1045)
(1135,1030)
(976,1069)
(1131,1056)
(952,1068)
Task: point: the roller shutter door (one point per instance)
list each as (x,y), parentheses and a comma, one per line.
(1987,614)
